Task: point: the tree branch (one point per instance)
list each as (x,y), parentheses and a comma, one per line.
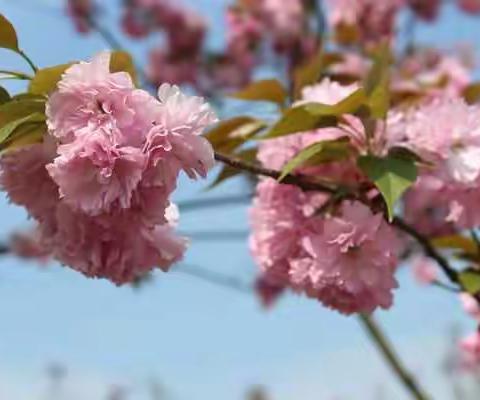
(192,205)
(214,278)
(378,337)
(428,248)
(298,180)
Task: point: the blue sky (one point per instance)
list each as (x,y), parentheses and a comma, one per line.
(201,341)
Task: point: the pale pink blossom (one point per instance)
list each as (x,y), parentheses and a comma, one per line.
(425,271)
(284,19)
(118,247)
(451,140)
(93,174)
(81,11)
(431,74)
(470,306)
(106,169)
(424,210)
(135,23)
(470,351)
(19,168)
(347,261)
(279,216)
(176,135)
(28,245)
(163,67)
(349,265)
(469,6)
(374,20)
(426,9)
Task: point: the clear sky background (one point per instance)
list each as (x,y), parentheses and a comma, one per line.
(201,341)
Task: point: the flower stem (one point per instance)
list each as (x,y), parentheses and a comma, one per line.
(16,75)
(28,60)
(298,180)
(385,347)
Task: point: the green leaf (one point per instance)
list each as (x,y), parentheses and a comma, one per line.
(8,129)
(318,153)
(311,71)
(391,175)
(26,134)
(457,242)
(227,172)
(315,115)
(121,61)
(8,36)
(377,83)
(6,74)
(46,79)
(229,134)
(307,74)
(4,95)
(20,107)
(266,90)
(470,280)
(472,93)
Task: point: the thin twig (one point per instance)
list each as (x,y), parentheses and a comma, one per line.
(17,75)
(428,248)
(298,180)
(192,205)
(444,286)
(383,344)
(113,43)
(106,35)
(28,60)
(213,277)
(226,235)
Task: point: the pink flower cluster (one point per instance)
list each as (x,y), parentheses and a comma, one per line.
(346,258)
(81,11)
(447,193)
(371,21)
(249,24)
(178,61)
(104,173)
(469,356)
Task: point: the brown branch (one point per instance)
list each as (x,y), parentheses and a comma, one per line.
(191,205)
(214,278)
(428,248)
(298,180)
(383,344)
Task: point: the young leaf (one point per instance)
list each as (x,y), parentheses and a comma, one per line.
(4,96)
(8,129)
(457,242)
(315,115)
(24,135)
(46,80)
(472,93)
(20,107)
(266,90)
(8,36)
(317,153)
(391,175)
(229,134)
(470,280)
(377,83)
(121,61)
(310,72)
(307,74)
